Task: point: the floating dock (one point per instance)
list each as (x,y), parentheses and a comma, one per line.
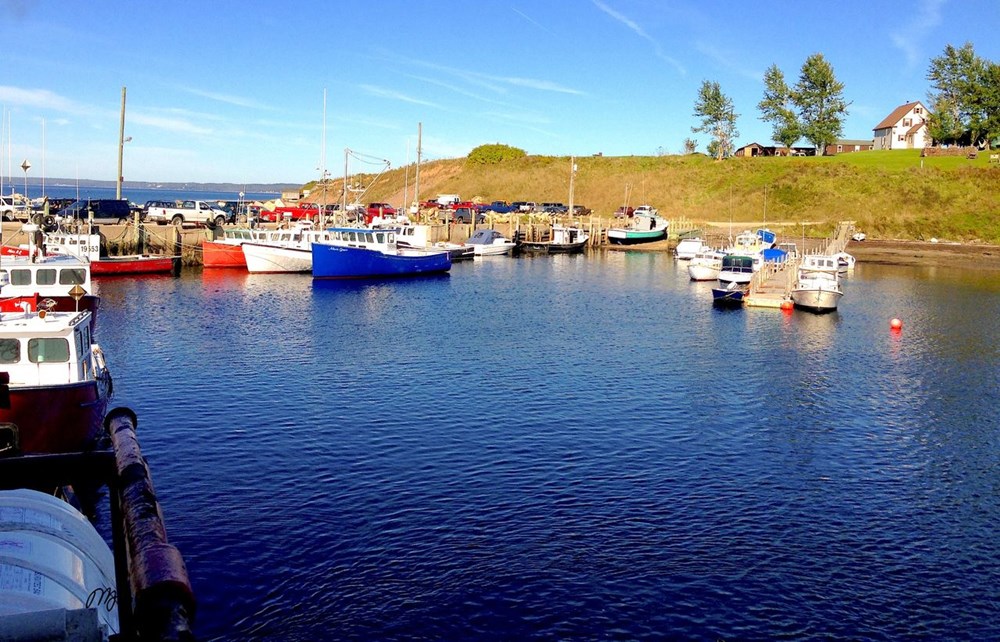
(772,285)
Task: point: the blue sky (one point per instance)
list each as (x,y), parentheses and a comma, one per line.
(233,91)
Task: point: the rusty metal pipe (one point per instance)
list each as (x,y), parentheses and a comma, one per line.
(164,602)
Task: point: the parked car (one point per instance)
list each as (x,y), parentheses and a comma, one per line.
(501,207)
(525,206)
(380,209)
(581,210)
(554,208)
(103,210)
(624,211)
(461,215)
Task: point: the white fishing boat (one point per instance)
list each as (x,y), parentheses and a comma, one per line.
(488,242)
(284,250)
(705,265)
(687,248)
(817,286)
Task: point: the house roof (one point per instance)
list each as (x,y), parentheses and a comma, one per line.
(852,141)
(897,115)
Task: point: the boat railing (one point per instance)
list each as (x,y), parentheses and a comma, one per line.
(153,594)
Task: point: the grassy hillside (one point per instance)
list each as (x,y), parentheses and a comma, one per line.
(894,194)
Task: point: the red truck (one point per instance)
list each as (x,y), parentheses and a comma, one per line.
(302,211)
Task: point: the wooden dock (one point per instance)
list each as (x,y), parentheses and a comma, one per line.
(772,285)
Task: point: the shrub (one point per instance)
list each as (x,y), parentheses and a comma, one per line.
(495,154)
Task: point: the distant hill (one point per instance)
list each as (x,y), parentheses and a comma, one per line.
(890,194)
(198,187)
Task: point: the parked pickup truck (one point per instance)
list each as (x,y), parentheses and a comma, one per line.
(307,211)
(501,207)
(188,212)
(11,211)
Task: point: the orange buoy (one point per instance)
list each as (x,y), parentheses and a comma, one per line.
(896,324)
(787,306)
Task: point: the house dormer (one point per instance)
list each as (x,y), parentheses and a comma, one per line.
(904,128)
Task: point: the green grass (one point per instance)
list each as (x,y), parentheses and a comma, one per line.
(890,194)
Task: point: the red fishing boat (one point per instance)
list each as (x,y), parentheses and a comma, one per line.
(227,252)
(88,247)
(54,383)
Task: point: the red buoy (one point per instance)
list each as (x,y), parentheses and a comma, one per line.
(896,324)
(787,306)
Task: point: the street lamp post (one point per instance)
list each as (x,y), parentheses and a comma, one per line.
(25,166)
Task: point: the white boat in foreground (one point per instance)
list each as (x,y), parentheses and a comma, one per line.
(705,265)
(817,287)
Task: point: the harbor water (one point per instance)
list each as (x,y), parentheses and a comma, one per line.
(572,448)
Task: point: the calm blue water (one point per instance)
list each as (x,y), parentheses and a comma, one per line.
(140,196)
(571,447)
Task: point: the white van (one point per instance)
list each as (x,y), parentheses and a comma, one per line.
(444,200)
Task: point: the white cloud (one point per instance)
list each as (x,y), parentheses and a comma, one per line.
(909,37)
(382,92)
(41,98)
(639,31)
(239,101)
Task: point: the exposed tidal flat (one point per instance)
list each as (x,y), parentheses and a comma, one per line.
(569,447)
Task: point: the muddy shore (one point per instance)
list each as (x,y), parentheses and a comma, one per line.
(923,253)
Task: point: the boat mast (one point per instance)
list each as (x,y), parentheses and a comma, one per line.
(416,185)
(572,173)
(121,147)
(322,167)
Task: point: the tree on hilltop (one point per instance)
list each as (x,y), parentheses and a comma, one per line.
(777,108)
(495,154)
(717,118)
(966,103)
(820,100)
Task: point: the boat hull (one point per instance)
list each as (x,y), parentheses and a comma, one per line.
(728,296)
(145,264)
(338,262)
(547,247)
(57,419)
(222,255)
(265,259)
(632,237)
(497,249)
(703,272)
(816,299)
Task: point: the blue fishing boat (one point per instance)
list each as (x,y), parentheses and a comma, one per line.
(359,253)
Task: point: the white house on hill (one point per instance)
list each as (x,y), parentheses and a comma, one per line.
(904,128)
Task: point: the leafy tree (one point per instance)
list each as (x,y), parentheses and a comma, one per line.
(777,108)
(717,118)
(820,99)
(690,145)
(967,88)
(944,125)
(494,154)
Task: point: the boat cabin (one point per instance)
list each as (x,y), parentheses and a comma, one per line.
(819,266)
(46,348)
(51,276)
(84,246)
(383,240)
(738,264)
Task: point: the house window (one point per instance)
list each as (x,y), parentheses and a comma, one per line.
(907,122)
(917,110)
(901,137)
(840,148)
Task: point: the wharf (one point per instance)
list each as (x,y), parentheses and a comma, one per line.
(772,285)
